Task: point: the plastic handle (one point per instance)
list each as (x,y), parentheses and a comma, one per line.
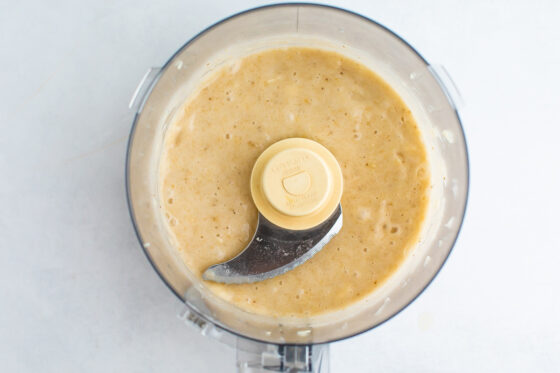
(145,85)
(255,357)
(453,94)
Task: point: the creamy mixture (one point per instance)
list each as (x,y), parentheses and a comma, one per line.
(296,92)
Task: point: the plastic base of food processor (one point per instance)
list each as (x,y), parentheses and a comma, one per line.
(265,350)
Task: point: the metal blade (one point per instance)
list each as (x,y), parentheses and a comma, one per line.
(274,251)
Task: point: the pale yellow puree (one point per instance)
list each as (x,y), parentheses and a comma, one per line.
(296,92)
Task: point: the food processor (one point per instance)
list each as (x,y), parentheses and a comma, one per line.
(289,344)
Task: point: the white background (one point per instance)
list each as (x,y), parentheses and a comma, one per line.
(78,295)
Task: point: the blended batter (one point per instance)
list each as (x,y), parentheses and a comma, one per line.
(296,92)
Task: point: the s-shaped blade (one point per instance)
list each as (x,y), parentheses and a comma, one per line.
(274,251)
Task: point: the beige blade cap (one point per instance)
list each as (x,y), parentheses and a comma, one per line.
(296,183)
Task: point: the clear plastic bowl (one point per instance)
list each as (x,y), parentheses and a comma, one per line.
(426,89)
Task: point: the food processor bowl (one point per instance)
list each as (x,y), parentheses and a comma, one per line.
(298,343)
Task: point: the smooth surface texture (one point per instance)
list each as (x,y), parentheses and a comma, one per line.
(76,292)
(346,110)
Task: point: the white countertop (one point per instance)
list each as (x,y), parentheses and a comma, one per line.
(77,293)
